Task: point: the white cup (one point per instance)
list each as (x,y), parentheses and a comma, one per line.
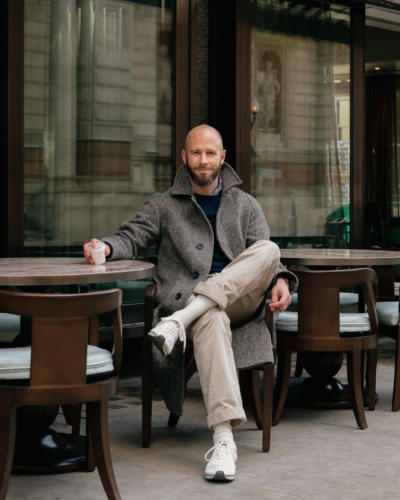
(98,253)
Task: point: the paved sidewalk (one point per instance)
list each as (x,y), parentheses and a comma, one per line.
(315,454)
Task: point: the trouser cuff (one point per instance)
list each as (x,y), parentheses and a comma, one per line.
(235,416)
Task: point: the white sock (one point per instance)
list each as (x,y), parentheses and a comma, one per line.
(222,432)
(196,306)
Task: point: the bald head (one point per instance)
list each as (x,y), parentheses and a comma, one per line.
(204,130)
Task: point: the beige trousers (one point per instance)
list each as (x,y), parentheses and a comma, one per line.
(238,291)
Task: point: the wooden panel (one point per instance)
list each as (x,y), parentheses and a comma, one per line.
(357,127)
(182,95)
(222,73)
(243,92)
(12,173)
(199,62)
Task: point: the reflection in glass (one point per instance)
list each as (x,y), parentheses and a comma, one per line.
(301,120)
(98,116)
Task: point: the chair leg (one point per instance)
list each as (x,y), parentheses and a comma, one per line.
(282,386)
(363,374)
(250,391)
(355,385)
(72,415)
(256,404)
(396,383)
(147,392)
(299,365)
(7,443)
(268,399)
(372,358)
(98,425)
(90,459)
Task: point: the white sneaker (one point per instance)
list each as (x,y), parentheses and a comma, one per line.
(221,460)
(166,333)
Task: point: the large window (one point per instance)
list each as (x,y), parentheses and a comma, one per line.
(300,85)
(97,116)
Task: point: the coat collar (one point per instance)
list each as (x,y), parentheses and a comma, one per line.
(182,185)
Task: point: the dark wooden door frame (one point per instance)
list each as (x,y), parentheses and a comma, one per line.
(357,127)
(182,100)
(12,165)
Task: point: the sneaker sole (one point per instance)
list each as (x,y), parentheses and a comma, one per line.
(159,342)
(219,476)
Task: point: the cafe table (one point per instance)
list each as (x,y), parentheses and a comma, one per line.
(38,447)
(339,257)
(322,389)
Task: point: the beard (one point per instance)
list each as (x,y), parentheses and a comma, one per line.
(203,180)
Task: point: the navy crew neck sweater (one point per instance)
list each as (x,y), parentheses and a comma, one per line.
(210,205)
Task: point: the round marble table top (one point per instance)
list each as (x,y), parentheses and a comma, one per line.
(339,257)
(38,271)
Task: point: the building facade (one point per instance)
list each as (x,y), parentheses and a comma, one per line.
(99,94)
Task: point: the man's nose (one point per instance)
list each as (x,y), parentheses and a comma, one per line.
(204,159)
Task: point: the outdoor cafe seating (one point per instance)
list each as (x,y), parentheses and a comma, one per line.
(63,365)
(319,326)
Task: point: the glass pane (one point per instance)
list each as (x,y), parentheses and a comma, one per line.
(301,120)
(98,116)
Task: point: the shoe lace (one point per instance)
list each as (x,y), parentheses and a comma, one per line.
(218,452)
(181,330)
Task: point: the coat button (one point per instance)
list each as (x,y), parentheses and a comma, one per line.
(178,296)
(199,246)
(195,275)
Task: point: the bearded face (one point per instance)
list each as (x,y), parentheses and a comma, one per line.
(204,156)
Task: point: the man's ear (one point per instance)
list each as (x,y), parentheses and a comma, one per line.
(223,156)
(183,156)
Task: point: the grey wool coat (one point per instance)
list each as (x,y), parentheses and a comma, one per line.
(176,224)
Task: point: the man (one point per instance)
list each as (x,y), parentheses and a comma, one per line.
(215,264)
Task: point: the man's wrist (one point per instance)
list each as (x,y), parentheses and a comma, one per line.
(285,280)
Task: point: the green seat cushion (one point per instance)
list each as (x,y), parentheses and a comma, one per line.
(132,291)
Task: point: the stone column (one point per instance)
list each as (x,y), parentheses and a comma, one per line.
(62,89)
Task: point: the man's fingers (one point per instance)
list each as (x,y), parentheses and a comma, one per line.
(86,252)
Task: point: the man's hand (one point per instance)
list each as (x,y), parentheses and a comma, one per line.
(280,296)
(92,243)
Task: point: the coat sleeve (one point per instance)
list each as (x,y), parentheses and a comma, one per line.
(136,235)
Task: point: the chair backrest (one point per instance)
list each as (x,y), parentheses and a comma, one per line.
(62,327)
(318,299)
(389,279)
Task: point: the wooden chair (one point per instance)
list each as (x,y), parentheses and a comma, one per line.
(63,365)
(388,311)
(320,327)
(348,301)
(249,382)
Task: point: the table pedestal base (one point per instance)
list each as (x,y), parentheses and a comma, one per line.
(47,452)
(308,392)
